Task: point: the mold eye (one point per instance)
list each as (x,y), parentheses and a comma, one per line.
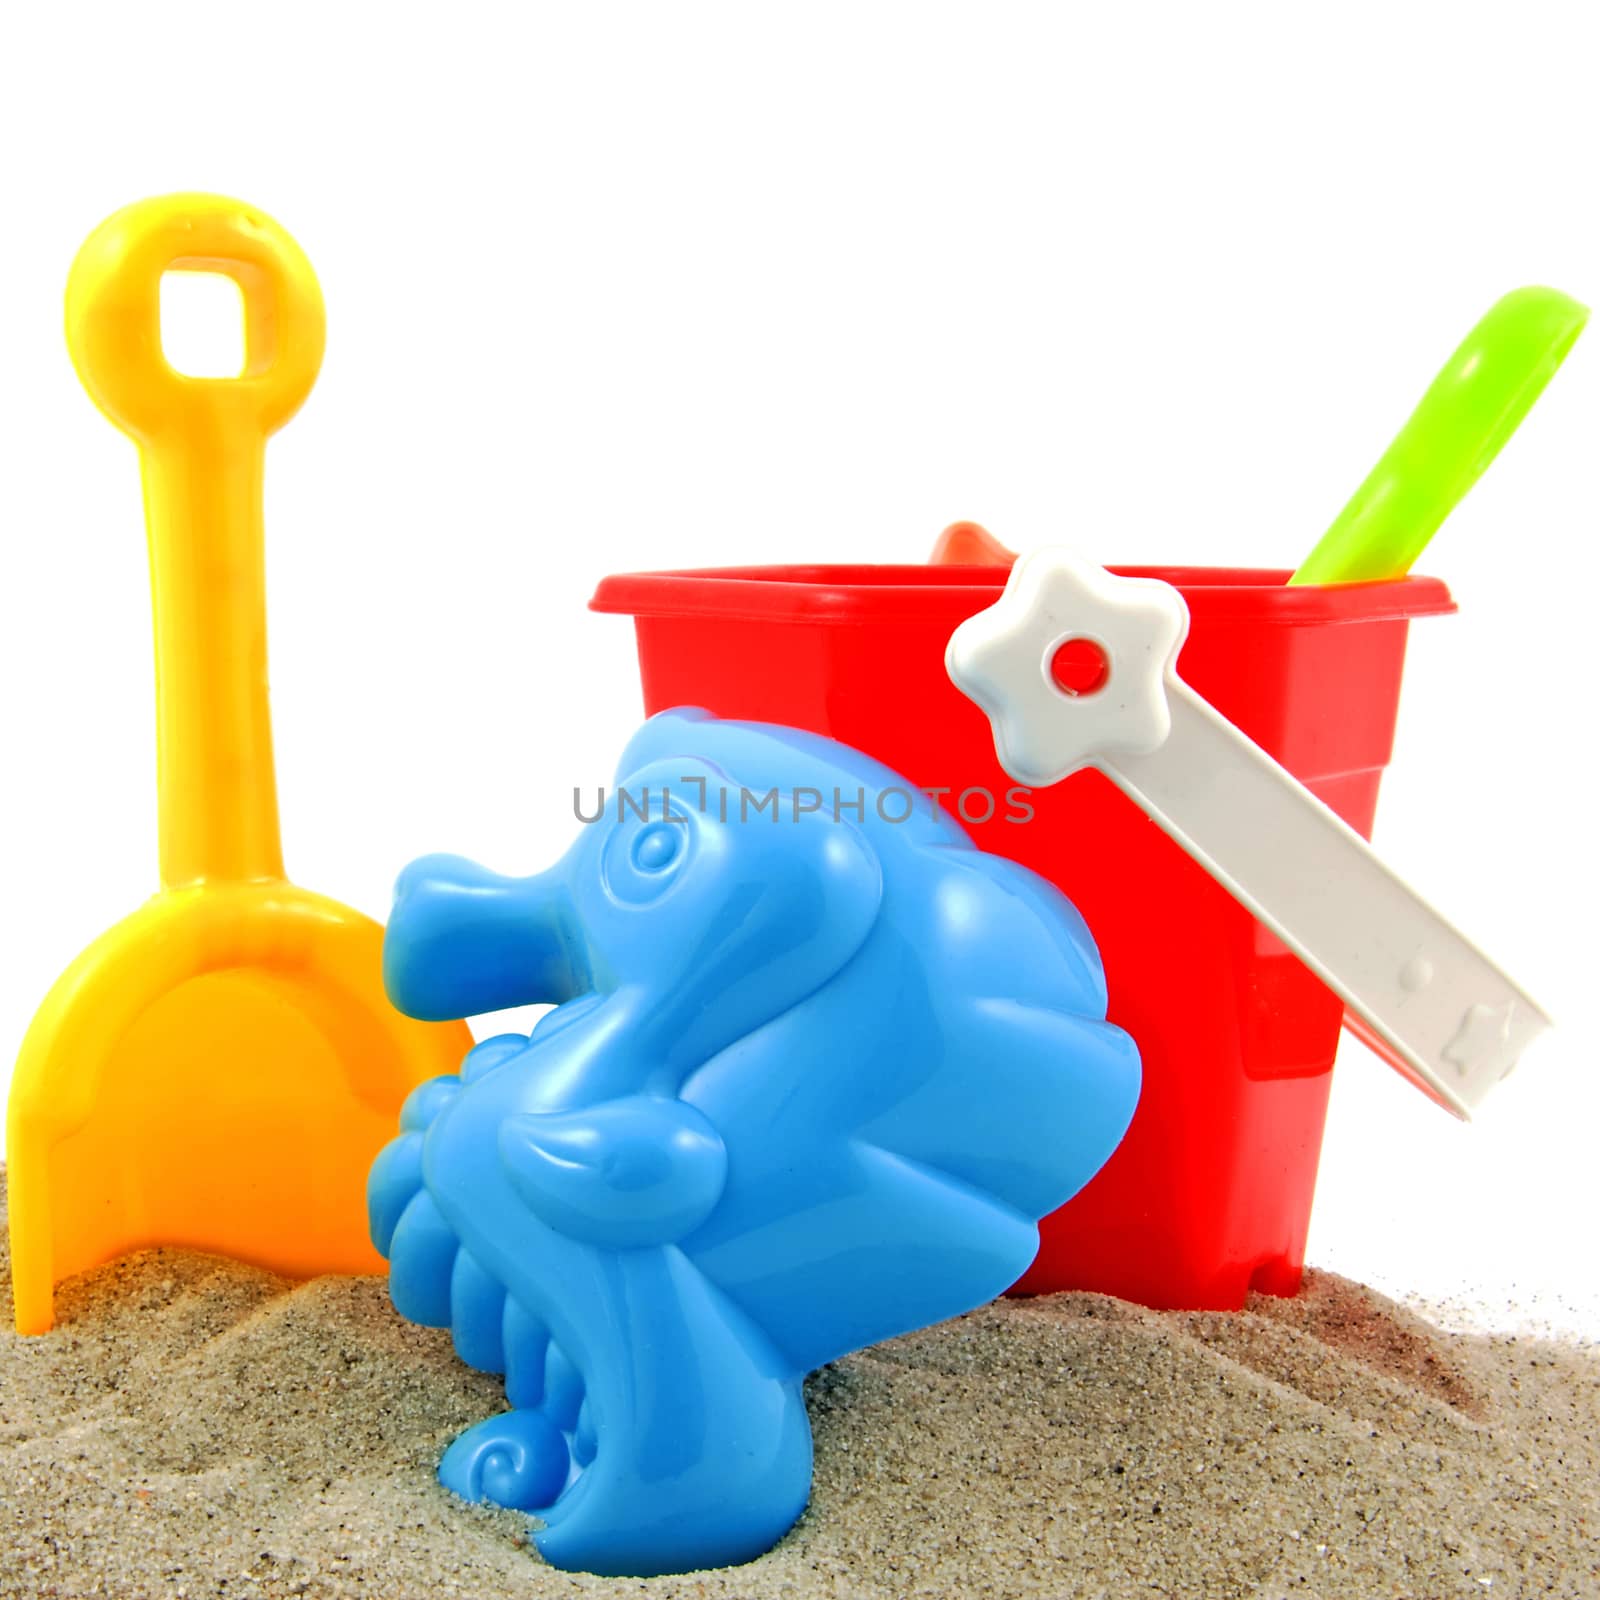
(657,846)
(644,862)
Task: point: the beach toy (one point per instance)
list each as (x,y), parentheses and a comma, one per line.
(1449,1014)
(1209,1194)
(218,1070)
(1474,405)
(965,544)
(1472,408)
(816,1068)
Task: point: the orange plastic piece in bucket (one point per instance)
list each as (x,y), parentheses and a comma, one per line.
(219,1069)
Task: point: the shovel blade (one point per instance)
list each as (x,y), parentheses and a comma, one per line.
(217,1073)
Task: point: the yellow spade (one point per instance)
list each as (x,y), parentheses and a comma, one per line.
(218,1070)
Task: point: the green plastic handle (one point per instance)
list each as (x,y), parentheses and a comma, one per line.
(1475,404)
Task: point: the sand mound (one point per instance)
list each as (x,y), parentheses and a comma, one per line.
(197,1428)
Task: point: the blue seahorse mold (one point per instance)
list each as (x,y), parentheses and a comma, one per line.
(811,1079)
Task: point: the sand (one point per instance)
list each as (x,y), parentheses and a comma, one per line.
(197,1428)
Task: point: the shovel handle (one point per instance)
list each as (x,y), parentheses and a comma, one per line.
(202,446)
(114,318)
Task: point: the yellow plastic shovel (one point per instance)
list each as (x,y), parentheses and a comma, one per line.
(218,1070)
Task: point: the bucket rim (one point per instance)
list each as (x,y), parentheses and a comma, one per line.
(857,594)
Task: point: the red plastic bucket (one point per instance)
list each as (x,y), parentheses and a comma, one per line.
(1209,1195)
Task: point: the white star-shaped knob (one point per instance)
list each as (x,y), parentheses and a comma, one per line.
(1002,657)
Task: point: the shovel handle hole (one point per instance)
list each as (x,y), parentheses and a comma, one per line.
(1079,668)
(202,323)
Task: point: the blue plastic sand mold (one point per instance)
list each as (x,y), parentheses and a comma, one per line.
(812,1078)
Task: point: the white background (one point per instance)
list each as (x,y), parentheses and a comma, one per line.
(615,287)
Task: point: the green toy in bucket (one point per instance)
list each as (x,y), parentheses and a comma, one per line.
(1471,409)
